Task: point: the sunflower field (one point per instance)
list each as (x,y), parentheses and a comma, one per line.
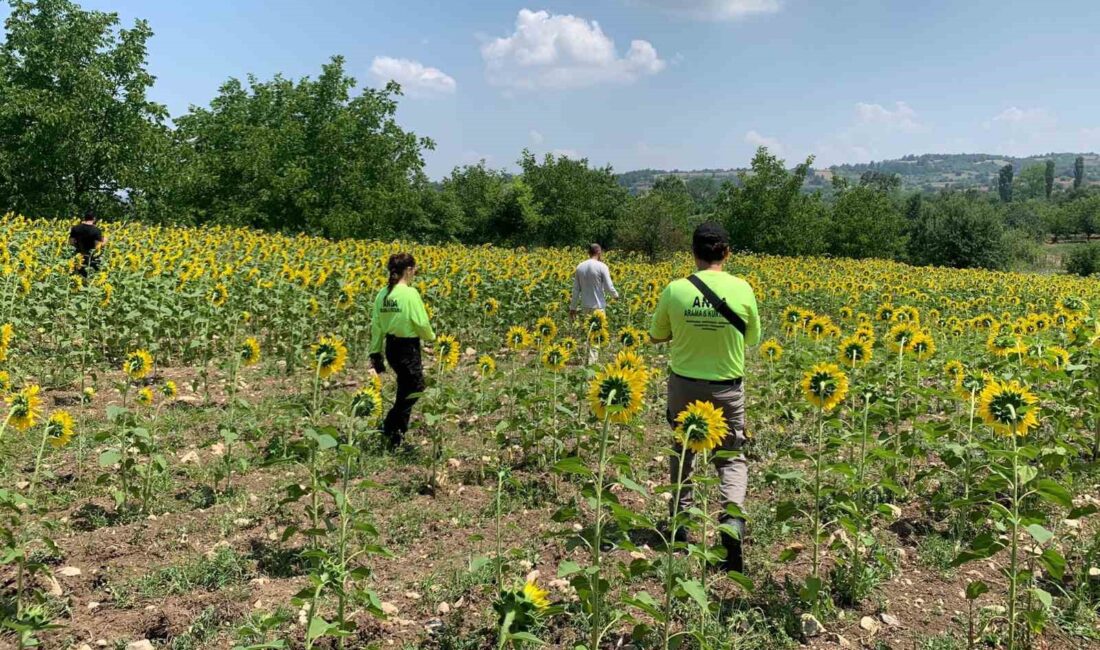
(190,454)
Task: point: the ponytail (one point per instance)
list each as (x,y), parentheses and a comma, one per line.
(397,265)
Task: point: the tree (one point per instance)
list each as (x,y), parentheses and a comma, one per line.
(1084,260)
(704,191)
(881,181)
(866,223)
(303,156)
(76,127)
(1048,178)
(768,212)
(1004,183)
(1030,183)
(961,232)
(659,223)
(1085,215)
(479,193)
(1078,172)
(574,203)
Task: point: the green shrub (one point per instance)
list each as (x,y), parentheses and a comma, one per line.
(1084,261)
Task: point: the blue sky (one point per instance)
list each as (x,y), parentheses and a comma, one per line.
(669,83)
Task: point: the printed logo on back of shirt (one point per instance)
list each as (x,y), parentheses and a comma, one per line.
(390,306)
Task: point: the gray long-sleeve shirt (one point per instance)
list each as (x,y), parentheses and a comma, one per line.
(591,284)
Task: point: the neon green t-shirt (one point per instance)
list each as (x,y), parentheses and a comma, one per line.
(704,345)
(401,313)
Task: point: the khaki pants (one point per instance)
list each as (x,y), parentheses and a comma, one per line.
(733,473)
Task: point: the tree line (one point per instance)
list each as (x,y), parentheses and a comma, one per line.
(323,156)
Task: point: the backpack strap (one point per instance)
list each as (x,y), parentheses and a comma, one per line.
(719,304)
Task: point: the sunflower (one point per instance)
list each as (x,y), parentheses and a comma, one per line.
(771,351)
(88,395)
(597,320)
(819,327)
(219,295)
(701,426)
(792,319)
(922,346)
(1057,358)
(900,336)
(545,329)
(1004,343)
(24,408)
(569,343)
(616,394)
(846,312)
(555,357)
(5,382)
(447,351)
(138,364)
(169,390)
(376,382)
(536,595)
(487,365)
(518,338)
(854,352)
(598,338)
(1009,407)
(329,354)
(249,351)
(145,396)
(825,386)
(366,403)
(345,300)
(1071,304)
(630,360)
(631,337)
(884,313)
(59,429)
(6,334)
(955,372)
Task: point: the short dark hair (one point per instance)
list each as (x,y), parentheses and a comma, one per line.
(89,215)
(594,249)
(710,242)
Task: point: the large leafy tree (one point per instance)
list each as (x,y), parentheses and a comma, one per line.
(958,230)
(303,155)
(768,212)
(867,223)
(660,222)
(76,127)
(574,203)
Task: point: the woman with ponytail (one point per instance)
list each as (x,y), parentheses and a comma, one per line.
(398,323)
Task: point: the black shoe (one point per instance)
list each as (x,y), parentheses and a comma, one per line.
(734,560)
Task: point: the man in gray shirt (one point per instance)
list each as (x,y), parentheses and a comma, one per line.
(591,284)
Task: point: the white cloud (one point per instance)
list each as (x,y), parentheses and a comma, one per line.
(714,9)
(563,51)
(568,153)
(1014,117)
(902,118)
(415,78)
(536,137)
(757,140)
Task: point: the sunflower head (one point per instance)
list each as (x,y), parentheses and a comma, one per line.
(329,356)
(5,382)
(701,426)
(901,336)
(598,338)
(138,364)
(24,408)
(616,394)
(486,365)
(955,372)
(88,395)
(597,320)
(854,352)
(169,390)
(536,595)
(145,396)
(249,351)
(545,329)
(446,347)
(1057,358)
(825,386)
(59,429)
(1009,407)
(518,338)
(366,403)
(771,350)
(490,307)
(569,343)
(630,337)
(922,346)
(219,295)
(555,357)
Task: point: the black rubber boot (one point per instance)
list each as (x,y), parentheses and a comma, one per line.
(734,558)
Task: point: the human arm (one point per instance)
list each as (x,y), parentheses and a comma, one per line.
(752,323)
(418,316)
(377,360)
(574,302)
(608,283)
(660,329)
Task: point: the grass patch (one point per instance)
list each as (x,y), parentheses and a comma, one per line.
(225,568)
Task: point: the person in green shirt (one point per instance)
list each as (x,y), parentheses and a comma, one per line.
(398,323)
(707,363)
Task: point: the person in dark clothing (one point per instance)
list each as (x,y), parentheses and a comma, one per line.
(399,322)
(87,239)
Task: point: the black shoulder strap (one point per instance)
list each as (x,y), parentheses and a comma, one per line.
(719,304)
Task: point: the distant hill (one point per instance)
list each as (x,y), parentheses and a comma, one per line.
(928,172)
